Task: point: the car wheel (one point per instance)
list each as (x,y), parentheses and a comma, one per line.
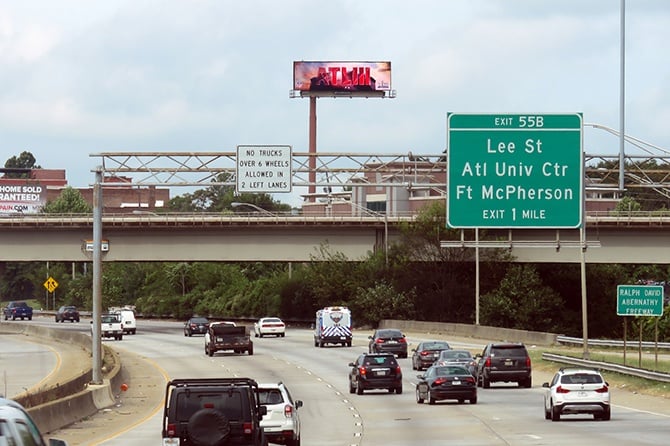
(250,351)
(359,388)
(321,344)
(207,427)
(555,414)
(547,412)
(210,352)
(431,400)
(348,343)
(607,415)
(419,400)
(461,401)
(485,382)
(398,390)
(56,319)
(351,387)
(120,337)
(283,335)
(527,383)
(473,400)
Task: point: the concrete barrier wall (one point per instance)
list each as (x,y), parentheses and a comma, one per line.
(70,401)
(473,331)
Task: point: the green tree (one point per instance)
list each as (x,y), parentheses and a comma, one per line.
(70,201)
(25,160)
(523,302)
(627,205)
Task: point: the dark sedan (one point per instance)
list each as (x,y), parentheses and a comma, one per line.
(426,353)
(459,357)
(446,382)
(388,340)
(67,313)
(196,325)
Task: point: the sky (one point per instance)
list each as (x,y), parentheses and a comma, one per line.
(81,77)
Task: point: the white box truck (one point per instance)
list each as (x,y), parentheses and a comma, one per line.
(333,326)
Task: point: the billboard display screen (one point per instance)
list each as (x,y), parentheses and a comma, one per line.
(17,196)
(342,76)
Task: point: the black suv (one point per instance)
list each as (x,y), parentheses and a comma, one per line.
(388,340)
(213,411)
(504,362)
(375,371)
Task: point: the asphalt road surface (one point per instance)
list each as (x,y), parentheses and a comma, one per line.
(504,414)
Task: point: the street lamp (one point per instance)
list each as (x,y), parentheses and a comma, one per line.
(253,206)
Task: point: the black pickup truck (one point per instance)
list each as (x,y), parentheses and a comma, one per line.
(225,336)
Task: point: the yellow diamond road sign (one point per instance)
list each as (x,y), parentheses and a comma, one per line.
(51,284)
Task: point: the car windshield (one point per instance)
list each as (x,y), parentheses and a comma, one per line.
(437,345)
(271,320)
(198,320)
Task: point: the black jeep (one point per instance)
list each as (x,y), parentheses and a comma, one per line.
(213,411)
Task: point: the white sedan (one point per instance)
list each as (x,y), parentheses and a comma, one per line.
(269,326)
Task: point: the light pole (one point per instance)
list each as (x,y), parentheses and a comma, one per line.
(253,206)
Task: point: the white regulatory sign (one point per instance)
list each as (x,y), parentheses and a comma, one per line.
(264,169)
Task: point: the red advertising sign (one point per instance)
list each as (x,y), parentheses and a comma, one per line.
(342,76)
(17,196)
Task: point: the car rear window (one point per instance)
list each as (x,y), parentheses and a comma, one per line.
(389,334)
(381,360)
(455,354)
(228,403)
(581,378)
(509,351)
(270,396)
(435,346)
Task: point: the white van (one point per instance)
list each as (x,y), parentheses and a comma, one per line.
(128,319)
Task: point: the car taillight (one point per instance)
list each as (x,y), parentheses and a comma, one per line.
(425,353)
(288,411)
(470,379)
(362,371)
(487,363)
(248,428)
(380,341)
(402,340)
(560,389)
(398,372)
(528,361)
(439,381)
(171,429)
(603,389)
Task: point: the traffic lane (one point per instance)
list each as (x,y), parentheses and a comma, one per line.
(25,363)
(488,422)
(184,357)
(504,414)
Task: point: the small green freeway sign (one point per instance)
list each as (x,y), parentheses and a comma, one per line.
(639,300)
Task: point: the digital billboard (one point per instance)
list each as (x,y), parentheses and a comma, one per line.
(342,76)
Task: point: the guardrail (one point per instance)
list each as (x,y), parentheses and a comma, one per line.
(624,370)
(612,343)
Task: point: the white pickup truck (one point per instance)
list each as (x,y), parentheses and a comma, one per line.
(111,326)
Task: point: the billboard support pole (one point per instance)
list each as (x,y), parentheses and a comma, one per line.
(312,149)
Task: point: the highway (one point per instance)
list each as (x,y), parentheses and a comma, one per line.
(504,414)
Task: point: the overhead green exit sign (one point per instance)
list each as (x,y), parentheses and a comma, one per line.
(514,170)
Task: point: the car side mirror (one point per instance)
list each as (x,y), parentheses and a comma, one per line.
(297,403)
(351,364)
(369,337)
(421,377)
(545,385)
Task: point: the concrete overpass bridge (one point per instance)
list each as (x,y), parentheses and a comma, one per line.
(637,237)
